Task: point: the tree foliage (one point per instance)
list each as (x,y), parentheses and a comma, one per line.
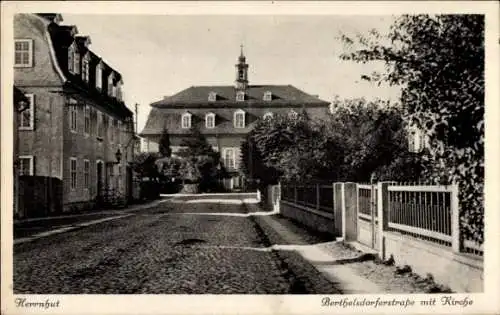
(439,62)
(200,162)
(144,164)
(356,140)
(164,144)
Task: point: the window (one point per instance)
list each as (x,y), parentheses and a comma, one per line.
(76,63)
(240,96)
(23,51)
(268,96)
(100,124)
(186,120)
(118,92)
(73,115)
(71,55)
(210,120)
(239,119)
(293,114)
(27,117)
(111,130)
(111,87)
(87,120)
(73,59)
(98,76)
(85,68)
(119,132)
(105,126)
(268,115)
(417,140)
(26,165)
(72,172)
(212,97)
(86,173)
(229,160)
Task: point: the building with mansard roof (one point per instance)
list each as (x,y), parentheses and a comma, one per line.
(225,114)
(76,122)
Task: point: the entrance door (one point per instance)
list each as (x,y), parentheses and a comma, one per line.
(99,181)
(129,184)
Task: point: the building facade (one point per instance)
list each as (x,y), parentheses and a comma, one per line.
(225,114)
(77,124)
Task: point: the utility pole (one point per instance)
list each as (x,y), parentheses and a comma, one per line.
(136,116)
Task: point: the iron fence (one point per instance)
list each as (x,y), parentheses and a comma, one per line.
(319,197)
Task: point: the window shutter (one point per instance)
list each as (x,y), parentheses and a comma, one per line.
(33,111)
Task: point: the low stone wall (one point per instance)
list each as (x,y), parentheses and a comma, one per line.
(318,220)
(462,273)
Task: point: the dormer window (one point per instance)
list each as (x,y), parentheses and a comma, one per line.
(73,60)
(186,121)
(268,96)
(212,97)
(239,119)
(240,96)
(119,90)
(98,76)
(111,86)
(210,120)
(85,68)
(267,116)
(293,114)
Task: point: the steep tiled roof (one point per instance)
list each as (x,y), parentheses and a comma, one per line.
(197,96)
(170,118)
(62,37)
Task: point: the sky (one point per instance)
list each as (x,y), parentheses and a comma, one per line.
(160,55)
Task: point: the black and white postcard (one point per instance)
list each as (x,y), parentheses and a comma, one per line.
(250,157)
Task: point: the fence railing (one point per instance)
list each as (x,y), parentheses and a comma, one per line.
(427,212)
(422,211)
(319,197)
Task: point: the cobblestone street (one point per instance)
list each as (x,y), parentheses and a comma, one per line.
(176,247)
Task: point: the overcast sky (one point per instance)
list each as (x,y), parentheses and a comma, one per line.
(162,55)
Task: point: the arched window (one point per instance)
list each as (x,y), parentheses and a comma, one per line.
(210,120)
(267,116)
(239,119)
(186,120)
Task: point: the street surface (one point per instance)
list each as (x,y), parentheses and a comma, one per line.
(182,246)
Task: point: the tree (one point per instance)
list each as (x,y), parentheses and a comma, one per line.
(439,63)
(165,150)
(144,164)
(202,163)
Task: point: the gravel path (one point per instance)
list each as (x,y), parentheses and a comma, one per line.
(162,250)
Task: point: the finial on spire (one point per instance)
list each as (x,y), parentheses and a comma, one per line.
(241,50)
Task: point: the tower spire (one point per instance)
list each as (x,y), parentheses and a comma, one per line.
(241,71)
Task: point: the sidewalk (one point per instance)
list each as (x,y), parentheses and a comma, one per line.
(323,258)
(349,270)
(33,228)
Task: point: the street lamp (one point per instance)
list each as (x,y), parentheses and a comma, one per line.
(118,156)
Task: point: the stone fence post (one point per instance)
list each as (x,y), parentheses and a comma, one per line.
(349,212)
(456,238)
(383,215)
